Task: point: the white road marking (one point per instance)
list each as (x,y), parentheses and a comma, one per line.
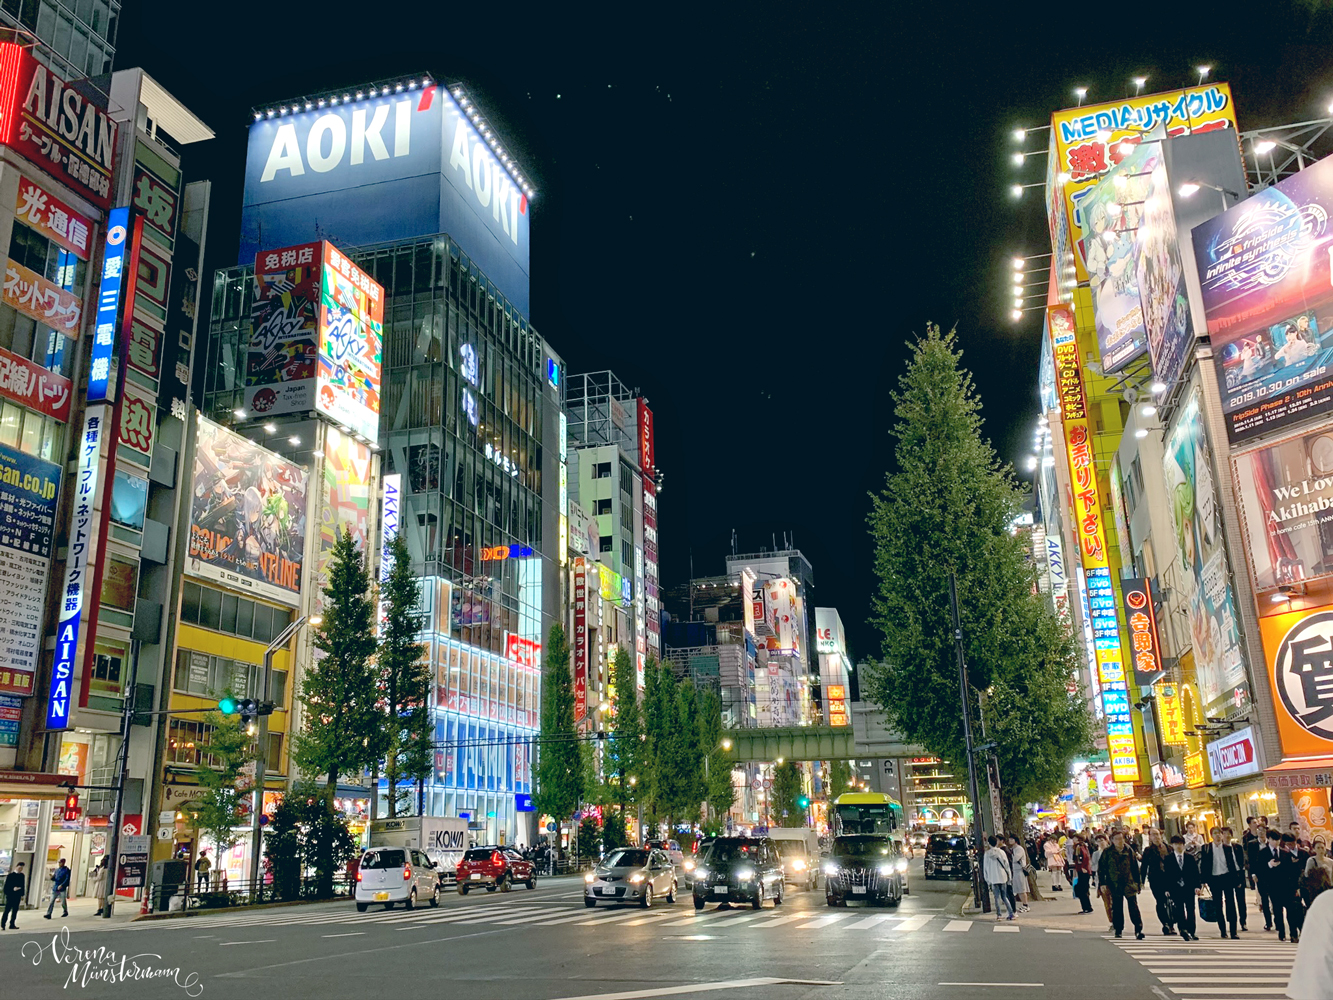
(784,919)
(832,918)
(670,991)
(646,919)
(1038,985)
(1056,930)
(1224,979)
(911,924)
(1005,929)
(224,944)
(958,925)
(347,934)
(874,921)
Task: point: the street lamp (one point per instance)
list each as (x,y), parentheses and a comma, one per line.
(261,764)
(1190,187)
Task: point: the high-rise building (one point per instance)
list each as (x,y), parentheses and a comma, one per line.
(78,37)
(786,684)
(450,429)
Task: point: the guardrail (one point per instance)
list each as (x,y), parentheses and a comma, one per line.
(167,897)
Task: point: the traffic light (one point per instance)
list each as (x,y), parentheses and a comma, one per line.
(228,706)
(803,802)
(71,813)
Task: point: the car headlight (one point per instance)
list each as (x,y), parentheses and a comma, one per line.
(798,864)
(590,878)
(831,868)
(689,865)
(636,878)
(701,873)
(901,865)
(885,869)
(744,874)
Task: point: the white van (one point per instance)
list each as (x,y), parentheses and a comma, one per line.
(392,875)
(799,849)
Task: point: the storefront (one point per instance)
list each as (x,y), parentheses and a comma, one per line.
(1233,762)
(29,801)
(1307,783)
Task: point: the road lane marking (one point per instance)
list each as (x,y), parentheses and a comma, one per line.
(1248,981)
(347,934)
(1005,929)
(832,918)
(647,918)
(777,921)
(911,924)
(1056,930)
(1029,985)
(224,944)
(868,922)
(526,918)
(958,925)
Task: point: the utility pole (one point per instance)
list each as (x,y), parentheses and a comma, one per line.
(978,897)
(122,770)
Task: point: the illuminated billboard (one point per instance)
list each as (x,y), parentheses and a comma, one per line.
(1265,277)
(1109,677)
(1299,648)
(1111,216)
(1285,492)
(351,340)
(1160,277)
(316,341)
(1087,142)
(421,149)
(247,516)
(1196,514)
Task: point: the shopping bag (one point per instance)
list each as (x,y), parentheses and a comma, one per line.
(1208,909)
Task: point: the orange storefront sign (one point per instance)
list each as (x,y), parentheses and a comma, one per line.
(1298,654)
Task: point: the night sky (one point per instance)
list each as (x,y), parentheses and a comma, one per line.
(745,211)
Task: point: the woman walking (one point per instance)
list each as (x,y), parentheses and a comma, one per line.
(1055,863)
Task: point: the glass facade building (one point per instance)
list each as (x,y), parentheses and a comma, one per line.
(80,35)
(469,419)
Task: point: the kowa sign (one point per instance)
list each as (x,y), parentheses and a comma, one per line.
(327,172)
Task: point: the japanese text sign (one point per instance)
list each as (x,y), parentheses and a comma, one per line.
(78,570)
(51,217)
(1299,649)
(47,303)
(351,336)
(28,494)
(108,303)
(54,125)
(30,384)
(580,639)
(1141,618)
(280,359)
(1171,715)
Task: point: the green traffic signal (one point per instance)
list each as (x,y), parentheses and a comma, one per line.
(228,706)
(804,802)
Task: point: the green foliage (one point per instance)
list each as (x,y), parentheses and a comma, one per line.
(404,677)
(839,778)
(561,766)
(343,728)
(949,505)
(306,835)
(784,809)
(718,792)
(590,838)
(221,809)
(659,716)
(624,751)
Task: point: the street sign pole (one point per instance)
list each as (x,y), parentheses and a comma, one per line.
(978,897)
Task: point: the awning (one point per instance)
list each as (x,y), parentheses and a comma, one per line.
(35,785)
(1310,772)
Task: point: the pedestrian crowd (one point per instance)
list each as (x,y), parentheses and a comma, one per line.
(1190,878)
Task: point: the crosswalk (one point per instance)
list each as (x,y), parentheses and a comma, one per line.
(671,919)
(1216,970)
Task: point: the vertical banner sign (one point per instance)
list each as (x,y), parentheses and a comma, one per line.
(108,304)
(580,639)
(77,575)
(28,491)
(393,486)
(1142,620)
(1171,715)
(1091,534)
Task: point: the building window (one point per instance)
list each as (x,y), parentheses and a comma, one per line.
(606,543)
(603,470)
(209,608)
(31,432)
(604,506)
(206,676)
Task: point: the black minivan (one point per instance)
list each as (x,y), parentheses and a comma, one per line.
(738,870)
(948,856)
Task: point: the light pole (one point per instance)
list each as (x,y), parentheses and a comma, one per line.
(261,762)
(708,785)
(978,898)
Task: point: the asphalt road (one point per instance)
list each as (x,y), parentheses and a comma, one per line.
(544,945)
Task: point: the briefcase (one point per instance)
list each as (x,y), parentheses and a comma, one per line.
(1208,909)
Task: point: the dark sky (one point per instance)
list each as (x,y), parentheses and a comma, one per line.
(746,210)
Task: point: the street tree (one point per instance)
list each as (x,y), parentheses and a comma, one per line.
(404,677)
(561,766)
(719,793)
(839,778)
(785,807)
(659,717)
(342,731)
(948,506)
(226,773)
(623,752)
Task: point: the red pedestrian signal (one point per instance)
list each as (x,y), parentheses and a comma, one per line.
(71,813)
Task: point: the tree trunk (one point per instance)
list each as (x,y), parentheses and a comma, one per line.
(374,791)
(391,779)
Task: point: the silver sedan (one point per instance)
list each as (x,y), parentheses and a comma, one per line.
(631,875)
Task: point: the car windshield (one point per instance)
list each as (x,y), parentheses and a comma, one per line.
(944,842)
(626,859)
(732,850)
(791,848)
(861,847)
(478,854)
(384,859)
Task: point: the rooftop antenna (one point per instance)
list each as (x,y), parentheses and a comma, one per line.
(733,542)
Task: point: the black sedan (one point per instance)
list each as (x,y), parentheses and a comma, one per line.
(867,867)
(948,855)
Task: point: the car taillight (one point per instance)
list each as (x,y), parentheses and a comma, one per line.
(358,876)
(407,872)
(495,857)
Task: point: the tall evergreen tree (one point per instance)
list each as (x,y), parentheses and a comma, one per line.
(719,793)
(560,765)
(624,751)
(784,807)
(342,727)
(949,505)
(659,718)
(404,677)
(839,778)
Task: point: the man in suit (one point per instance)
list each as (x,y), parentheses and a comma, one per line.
(1180,872)
(1217,868)
(1266,862)
(1238,884)
(1286,895)
(1118,874)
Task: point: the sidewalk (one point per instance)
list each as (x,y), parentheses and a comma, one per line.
(1060,911)
(80,917)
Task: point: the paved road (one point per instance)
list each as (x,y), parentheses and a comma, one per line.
(544,945)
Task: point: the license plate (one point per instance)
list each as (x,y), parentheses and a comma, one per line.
(381,897)
(859,889)
(598,891)
(721,890)
(475,876)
